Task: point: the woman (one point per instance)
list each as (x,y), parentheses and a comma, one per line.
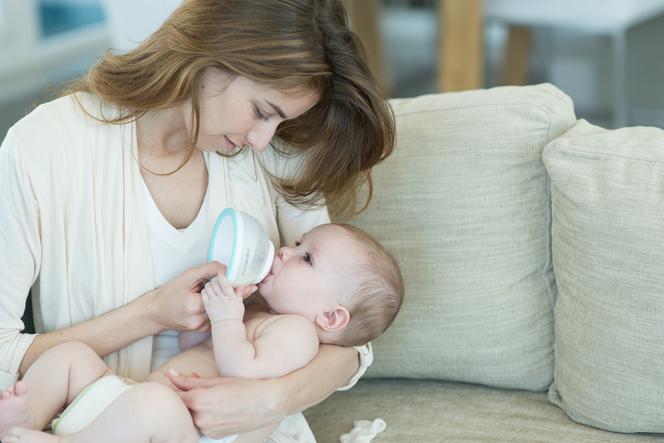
(110,193)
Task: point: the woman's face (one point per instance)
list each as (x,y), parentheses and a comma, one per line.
(235,111)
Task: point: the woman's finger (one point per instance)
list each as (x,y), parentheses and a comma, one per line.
(204,272)
(186,383)
(205,327)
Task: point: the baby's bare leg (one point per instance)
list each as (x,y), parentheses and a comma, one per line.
(54,380)
(146,413)
(199,360)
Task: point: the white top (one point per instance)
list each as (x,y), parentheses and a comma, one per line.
(173,250)
(73,223)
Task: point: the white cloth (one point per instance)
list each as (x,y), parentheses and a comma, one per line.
(366,359)
(293,429)
(173,250)
(74,228)
(364,431)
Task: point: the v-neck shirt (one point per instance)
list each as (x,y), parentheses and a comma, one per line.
(173,250)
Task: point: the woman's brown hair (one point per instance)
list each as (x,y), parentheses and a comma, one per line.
(301,45)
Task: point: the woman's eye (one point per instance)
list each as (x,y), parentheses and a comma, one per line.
(259,114)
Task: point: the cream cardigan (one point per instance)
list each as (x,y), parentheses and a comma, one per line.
(72,225)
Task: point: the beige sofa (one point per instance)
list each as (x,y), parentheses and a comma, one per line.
(532,248)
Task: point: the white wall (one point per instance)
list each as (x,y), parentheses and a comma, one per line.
(131,21)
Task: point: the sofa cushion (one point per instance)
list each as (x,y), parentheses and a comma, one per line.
(608,256)
(463,203)
(431,411)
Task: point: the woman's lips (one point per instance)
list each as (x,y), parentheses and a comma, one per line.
(229,143)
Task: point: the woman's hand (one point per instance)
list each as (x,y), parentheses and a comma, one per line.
(222,406)
(177,304)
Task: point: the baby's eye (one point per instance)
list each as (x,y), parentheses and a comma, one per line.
(307,257)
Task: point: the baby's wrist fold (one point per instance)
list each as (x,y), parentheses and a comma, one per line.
(226,320)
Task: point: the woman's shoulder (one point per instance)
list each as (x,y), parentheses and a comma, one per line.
(79,109)
(281,159)
(64,123)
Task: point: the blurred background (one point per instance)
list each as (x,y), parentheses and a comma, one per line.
(606,54)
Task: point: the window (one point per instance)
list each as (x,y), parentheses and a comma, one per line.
(57,16)
(44,42)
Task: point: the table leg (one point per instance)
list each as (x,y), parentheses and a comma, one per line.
(365,20)
(461,45)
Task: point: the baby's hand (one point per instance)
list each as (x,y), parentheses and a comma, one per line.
(222,302)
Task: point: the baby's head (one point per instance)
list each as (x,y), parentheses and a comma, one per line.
(341,279)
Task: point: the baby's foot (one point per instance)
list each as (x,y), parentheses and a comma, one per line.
(14,407)
(22,435)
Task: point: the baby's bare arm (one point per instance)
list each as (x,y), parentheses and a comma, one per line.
(281,344)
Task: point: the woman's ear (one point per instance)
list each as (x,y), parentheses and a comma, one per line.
(334,320)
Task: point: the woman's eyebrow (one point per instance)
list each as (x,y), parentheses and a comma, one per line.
(277,109)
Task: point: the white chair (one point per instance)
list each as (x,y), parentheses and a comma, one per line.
(612,18)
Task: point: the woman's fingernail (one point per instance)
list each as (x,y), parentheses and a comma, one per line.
(173,372)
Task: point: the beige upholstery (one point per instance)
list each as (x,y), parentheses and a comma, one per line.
(608,249)
(419,411)
(463,203)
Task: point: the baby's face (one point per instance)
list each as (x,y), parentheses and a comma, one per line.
(308,278)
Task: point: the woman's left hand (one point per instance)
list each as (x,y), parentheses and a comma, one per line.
(222,406)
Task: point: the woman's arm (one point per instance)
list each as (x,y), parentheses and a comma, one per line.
(176,305)
(224,406)
(105,334)
(332,368)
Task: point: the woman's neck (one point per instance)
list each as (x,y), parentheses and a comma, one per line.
(162,132)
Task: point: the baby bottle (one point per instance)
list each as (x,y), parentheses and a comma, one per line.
(239,242)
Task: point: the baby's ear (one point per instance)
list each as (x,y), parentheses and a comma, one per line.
(334,320)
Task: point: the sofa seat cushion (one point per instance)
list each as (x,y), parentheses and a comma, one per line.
(433,411)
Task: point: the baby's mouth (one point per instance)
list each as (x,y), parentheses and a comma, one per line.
(269,274)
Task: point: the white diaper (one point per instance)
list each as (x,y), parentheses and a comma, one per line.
(89,404)
(93,400)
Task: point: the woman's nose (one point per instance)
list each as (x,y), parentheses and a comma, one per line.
(261,135)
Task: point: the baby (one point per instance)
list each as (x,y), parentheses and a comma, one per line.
(337,285)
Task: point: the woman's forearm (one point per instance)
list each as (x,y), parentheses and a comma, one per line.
(332,368)
(174,305)
(105,334)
